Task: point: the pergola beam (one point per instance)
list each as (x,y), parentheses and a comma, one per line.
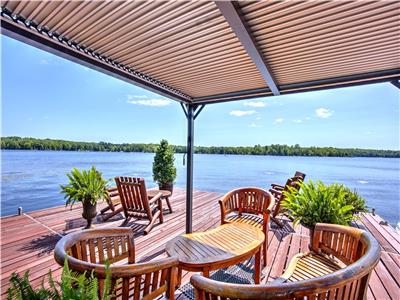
(392,76)
(239,27)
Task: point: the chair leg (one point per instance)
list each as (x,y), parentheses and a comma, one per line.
(152,221)
(117,211)
(265,250)
(160,209)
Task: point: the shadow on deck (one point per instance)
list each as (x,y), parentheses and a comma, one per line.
(28,241)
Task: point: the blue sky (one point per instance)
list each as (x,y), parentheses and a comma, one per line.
(45,96)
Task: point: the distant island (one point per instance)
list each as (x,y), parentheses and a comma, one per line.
(18,143)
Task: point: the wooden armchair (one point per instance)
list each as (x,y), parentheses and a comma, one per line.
(251,206)
(280,197)
(338,267)
(136,203)
(297,175)
(88,251)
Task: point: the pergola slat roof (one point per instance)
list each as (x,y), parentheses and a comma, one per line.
(197,52)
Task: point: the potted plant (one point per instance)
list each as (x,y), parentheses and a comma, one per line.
(319,203)
(164,171)
(87,187)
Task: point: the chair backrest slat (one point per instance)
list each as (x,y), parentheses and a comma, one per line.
(247,200)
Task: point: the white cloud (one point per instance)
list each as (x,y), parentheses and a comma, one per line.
(240,113)
(278,121)
(307,118)
(258,118)
(150,102)
(297,121)
(255,104)
(254,125)
(130,97)
(323,113)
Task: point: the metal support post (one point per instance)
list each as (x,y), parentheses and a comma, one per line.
(191,112)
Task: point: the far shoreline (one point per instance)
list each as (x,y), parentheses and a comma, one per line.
(183,153)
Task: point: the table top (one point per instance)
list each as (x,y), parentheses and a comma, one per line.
(229,243)
(152,193)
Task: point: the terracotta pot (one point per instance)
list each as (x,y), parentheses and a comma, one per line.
(166,186)
(89,212)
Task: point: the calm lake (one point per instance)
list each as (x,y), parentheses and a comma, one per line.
(31,179)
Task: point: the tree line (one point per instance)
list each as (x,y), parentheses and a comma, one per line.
(18,143)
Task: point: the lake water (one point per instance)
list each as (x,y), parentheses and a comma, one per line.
(31,179)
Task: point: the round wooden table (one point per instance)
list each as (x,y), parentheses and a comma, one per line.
(218,248)
(165,195)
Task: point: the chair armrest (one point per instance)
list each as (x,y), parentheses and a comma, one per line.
(276,193)
(155,198)
(223,210)
(271,205)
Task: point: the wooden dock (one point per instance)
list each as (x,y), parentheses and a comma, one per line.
(27,241)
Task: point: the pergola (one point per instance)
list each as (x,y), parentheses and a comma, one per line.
(200,53)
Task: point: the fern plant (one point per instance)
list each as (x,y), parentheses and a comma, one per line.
(87,186)
(320,203)
(72,286)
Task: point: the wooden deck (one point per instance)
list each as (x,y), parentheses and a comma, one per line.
(27,241)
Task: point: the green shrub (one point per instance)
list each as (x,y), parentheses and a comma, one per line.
(86,186)
(72,286)
(319,203)
(164,171)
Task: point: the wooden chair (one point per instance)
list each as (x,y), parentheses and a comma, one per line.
(135,201)
(114,203)
(280,197)
(88,250)
(298,175)
(338,267)
(251,206)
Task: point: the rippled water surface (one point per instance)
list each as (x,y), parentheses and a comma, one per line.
(31,179)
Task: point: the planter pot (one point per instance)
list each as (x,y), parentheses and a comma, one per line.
(89,212)
(166,186)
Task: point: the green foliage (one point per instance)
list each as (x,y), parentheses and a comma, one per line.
(352,198)
(18,143)
(86,187)
(164,170)
(72,286)
(319,203)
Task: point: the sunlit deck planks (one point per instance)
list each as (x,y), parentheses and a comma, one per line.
(27,241)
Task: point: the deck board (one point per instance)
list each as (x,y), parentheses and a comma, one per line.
(27,241)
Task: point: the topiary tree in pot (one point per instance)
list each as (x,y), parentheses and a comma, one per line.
(164,170)
(87,187)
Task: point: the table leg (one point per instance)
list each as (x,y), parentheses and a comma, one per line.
(179,279)
(169,204)
(257,267)
(206,273)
